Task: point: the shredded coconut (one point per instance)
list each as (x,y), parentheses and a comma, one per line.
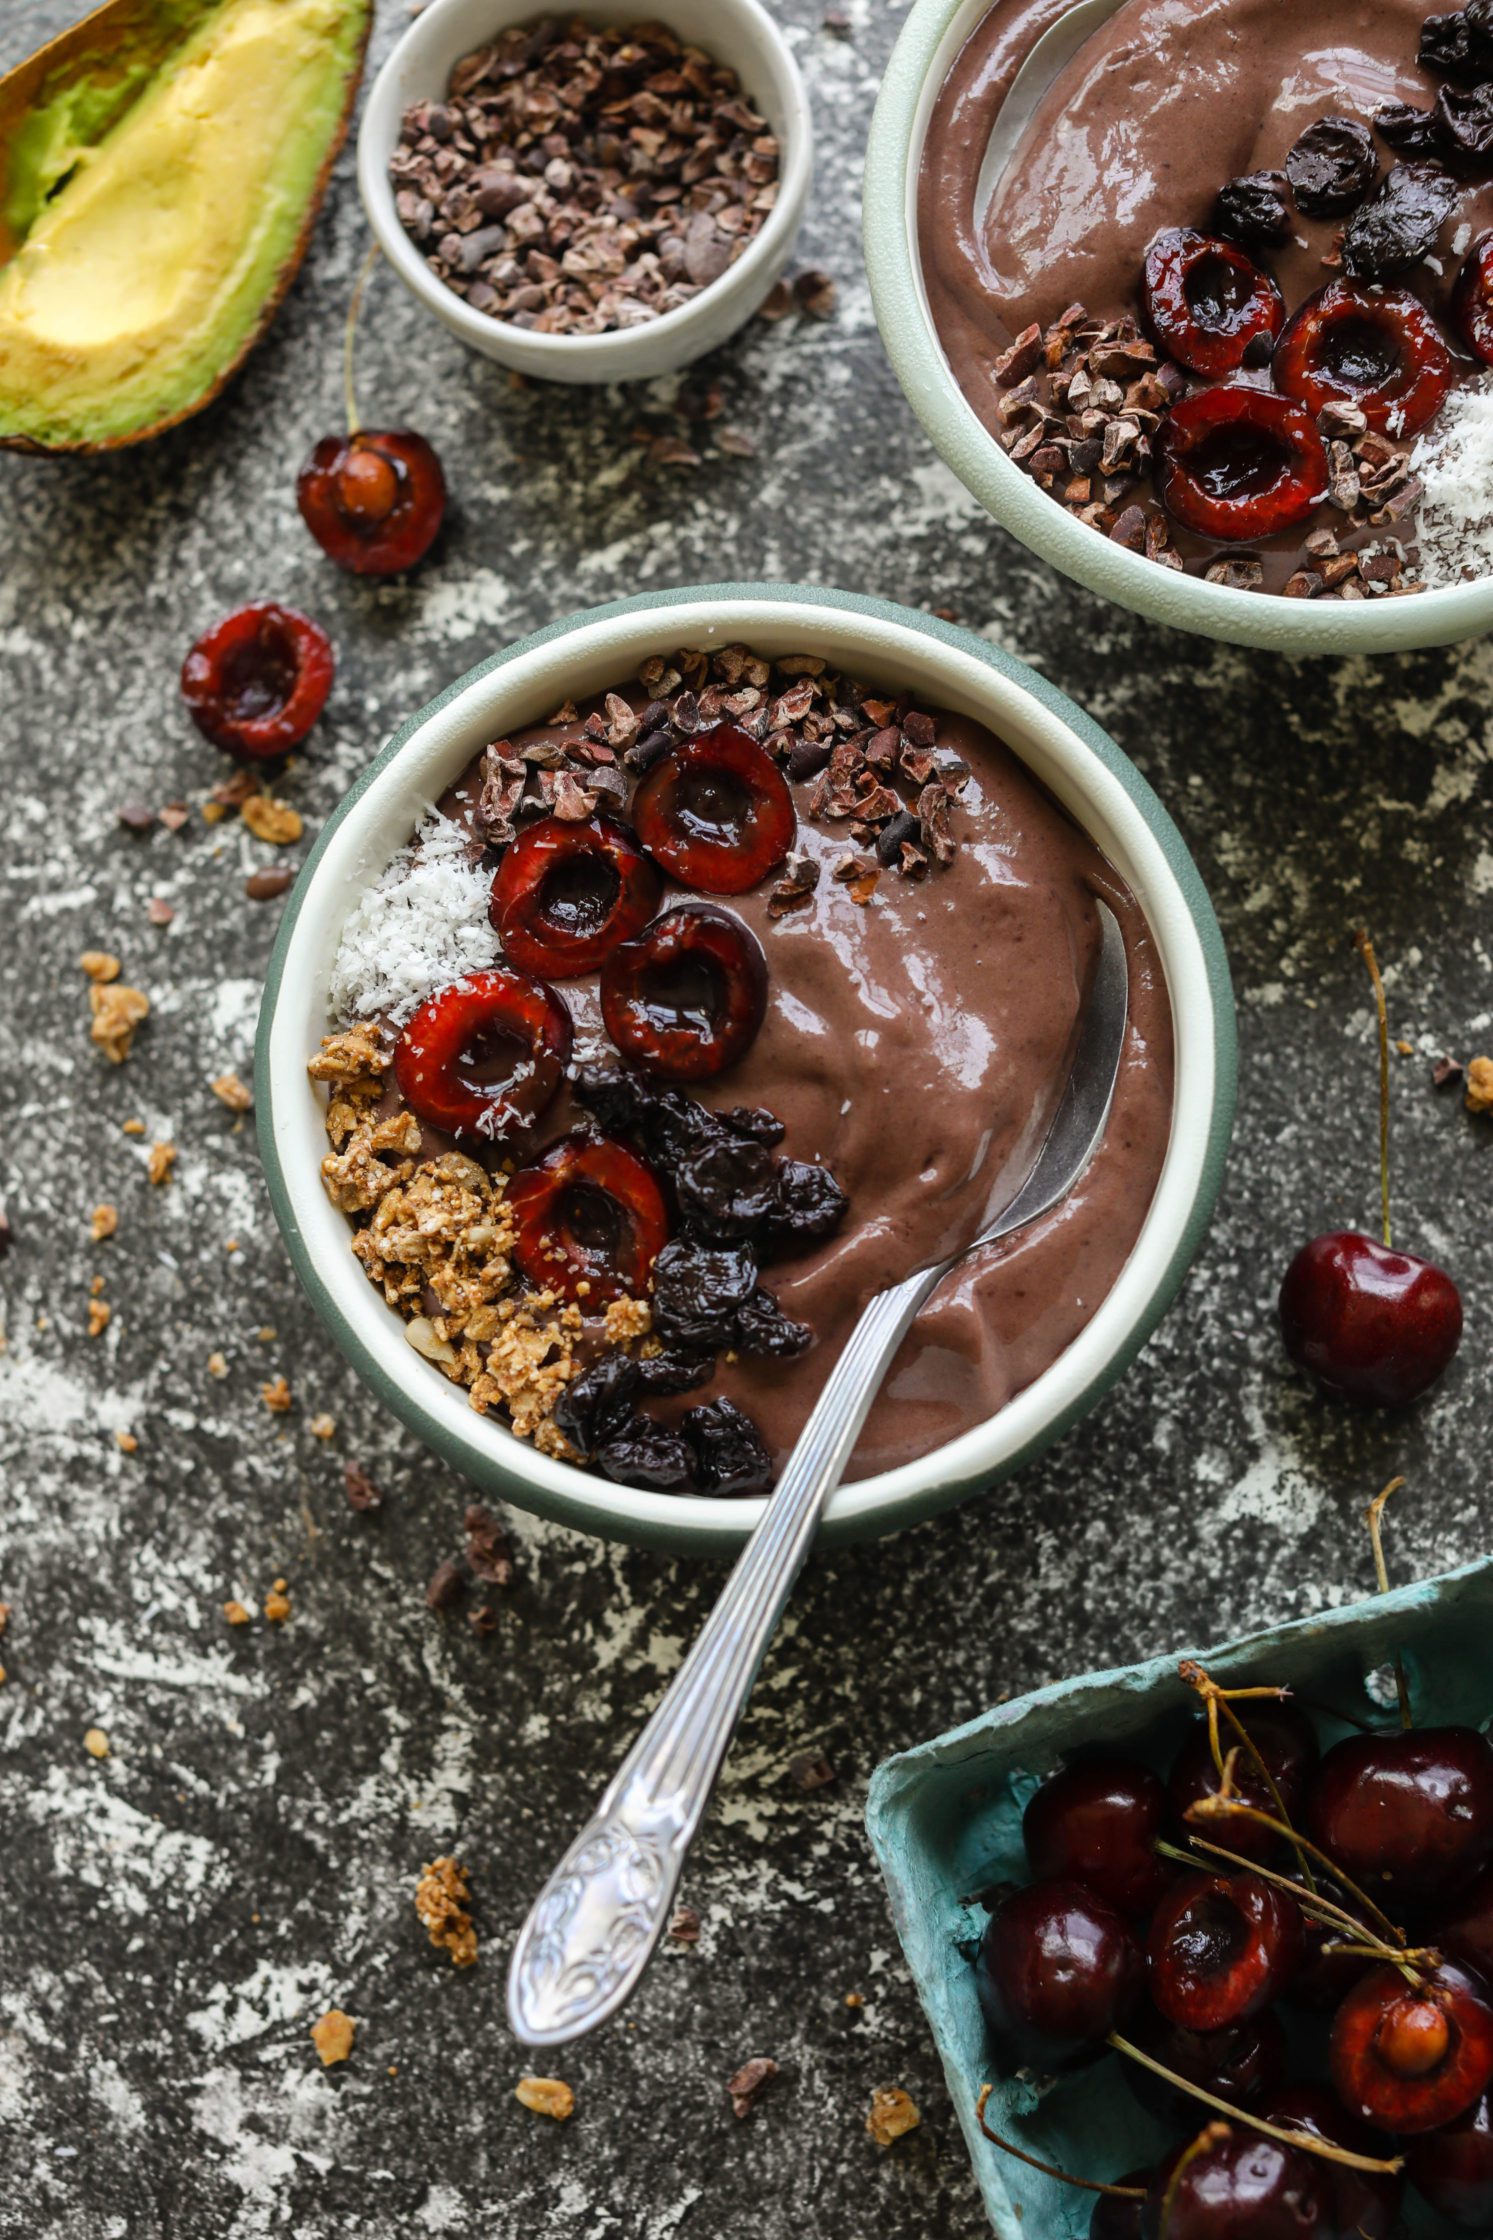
(1454,459)
(420,927)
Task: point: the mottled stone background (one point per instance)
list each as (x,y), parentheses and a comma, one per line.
(175,1916)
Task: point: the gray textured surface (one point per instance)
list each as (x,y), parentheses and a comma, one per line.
(174,1918)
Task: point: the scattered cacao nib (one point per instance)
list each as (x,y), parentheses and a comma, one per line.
(746,2087)
(598,1402)
(815,293)
(889,841)
(1409,131)
(1447,1070)
(1399,223)
(698,1292)
(647,1453)
(362,1493)
(136,816)
(448,1585)
(1466,120)
(7,1234)
(796,887)
(1255,210)
(684,1925)
(762,1328)
(484,1619)
(1332,166)
(264,886)
(729,1455)
(489,1552)
(160,913)
(809,1771)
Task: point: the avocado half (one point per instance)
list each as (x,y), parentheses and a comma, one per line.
(161,167)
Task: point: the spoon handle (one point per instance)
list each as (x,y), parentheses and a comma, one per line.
(593,1928)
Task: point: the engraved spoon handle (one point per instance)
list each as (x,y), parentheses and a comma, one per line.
(594,1926)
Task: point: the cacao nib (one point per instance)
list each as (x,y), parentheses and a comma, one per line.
(598,1402)
(726,1189)
(1254,210)
(763,1328)
(1399,223)
(1332,166)
(698,1292)
(810,1207)
(729,1455)
(649,1454)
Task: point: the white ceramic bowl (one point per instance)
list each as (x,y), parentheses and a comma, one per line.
(932,36)
(738,32)
(896,648)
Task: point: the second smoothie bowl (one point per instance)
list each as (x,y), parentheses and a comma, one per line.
(684,975)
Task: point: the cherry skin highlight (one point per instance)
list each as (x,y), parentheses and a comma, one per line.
(1058,1970)
(483,1058)
(1238,2185)
(1222,1948)
(1371,1324)
(1097,1821)
(1408,1815)
(567,893)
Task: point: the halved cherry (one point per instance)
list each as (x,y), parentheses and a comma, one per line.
(716,812)
(590,1220)
(1472,300)
(1410,2057)
(566,894)
(257,681)
(1206,301)
(373,501)
(1378,348)
(1221,1948)
(686,998)
(484,1057)
(1240,463)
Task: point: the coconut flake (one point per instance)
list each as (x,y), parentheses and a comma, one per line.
(418,928)
(1454,459)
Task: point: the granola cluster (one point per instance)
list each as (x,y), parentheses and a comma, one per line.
(583,177)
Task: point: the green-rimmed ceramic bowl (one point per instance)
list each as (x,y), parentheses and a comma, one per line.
(895,648)
(931,38)
(945,1822)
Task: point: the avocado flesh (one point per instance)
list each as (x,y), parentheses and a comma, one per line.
(155,253)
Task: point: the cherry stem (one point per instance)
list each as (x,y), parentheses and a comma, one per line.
(1374,1518)
(1230,1808)
(349,330)
(1050,2169)
(1223,1699)
(1311,1902)
(1366,951)
(1306,2140)
(1422,1955)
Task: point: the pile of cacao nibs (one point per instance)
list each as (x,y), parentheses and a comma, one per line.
(580,177)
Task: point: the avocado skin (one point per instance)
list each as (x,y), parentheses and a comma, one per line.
(69,96)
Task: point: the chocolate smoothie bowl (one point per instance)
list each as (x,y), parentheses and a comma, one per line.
(684,977)
(1221,301)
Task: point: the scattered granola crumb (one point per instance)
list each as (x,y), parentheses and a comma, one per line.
(132,1127)
(100,1315)
(126,1442)
(448,1583)
(810,1771)
(333,2036)
(229,1090)
(442,1896)
(1406,1049)
(4,1616)
(276,1396)
(272,820)
(277,1604)
(322,1427)
(1446,1070)
(488,1552)
(1480,1085)
(855,1999)
(160,1163)
(547,2096)
(216,1365)
(99,966)
(96,1743)
(103,1221)
(159,911)
(893,2114)
(748,2084)
(117,1012)
(684,1927)
(236,1614)
(360,1489)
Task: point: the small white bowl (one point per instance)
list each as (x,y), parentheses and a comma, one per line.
(1078,764)
(930,40)
(738,32)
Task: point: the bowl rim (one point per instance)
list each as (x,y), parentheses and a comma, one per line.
(930,37)
(1060,741)
(608,353)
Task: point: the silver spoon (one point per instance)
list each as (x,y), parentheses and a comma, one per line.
(1053,52)
(592,1931)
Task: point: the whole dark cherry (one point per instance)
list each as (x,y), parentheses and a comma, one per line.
(1371,1324)
(1472,300)
(1239,2064)
(1365,2203)
(686,997)
(483,1058)
(1286,1741)
(374,501)
(1453,2167)
(1098,1821)
(1379,349)
(1410,2057)
(566,893)
(716,812)
(1237,464)
(1465,1930)
(1222,1948)
(590,1221)
(1325,1978)
(1206,301)
(1235,2184)
(1408,1815)
(257,681)
(1058,1969)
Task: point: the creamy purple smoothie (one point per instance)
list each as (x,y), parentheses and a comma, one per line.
(1160,107)
(917,1045)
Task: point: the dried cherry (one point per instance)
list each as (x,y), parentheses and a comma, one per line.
(730,1458)
(1332,166)
(1254,209)
(1400,222)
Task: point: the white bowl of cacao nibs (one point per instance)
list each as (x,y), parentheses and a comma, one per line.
(803,666)
(584,196)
